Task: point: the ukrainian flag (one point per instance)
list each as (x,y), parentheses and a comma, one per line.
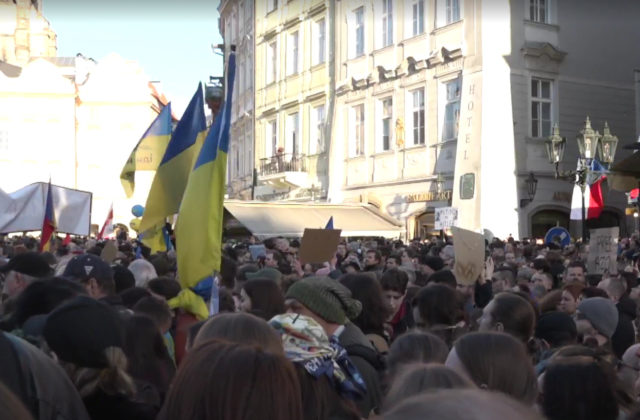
(149,150)
(199,227)
(171,177)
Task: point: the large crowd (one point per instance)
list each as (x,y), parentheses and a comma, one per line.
(382,331)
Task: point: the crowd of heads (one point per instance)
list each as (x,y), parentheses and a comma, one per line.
(384,330)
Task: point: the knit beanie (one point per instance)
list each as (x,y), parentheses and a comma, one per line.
(81,330)
(601,313)
(556,328)
(326,298)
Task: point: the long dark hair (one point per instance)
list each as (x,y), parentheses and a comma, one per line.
(320,401)
(219,380)
(416,347)
(267,299)
(440,308)
(375,310)
(498,362)
(148,357)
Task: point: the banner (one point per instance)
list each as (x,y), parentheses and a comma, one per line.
(24,209)
(603,249)
(446,217)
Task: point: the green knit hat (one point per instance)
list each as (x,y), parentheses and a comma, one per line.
(327,298)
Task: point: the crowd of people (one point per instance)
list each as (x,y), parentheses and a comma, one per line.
(382,331)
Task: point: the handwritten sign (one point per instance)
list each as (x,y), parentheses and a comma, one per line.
(319,245)
(446,217)
(603,248)
(469,255)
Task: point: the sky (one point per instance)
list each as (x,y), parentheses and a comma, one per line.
(171,40)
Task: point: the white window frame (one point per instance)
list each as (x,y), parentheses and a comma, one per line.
(319,42)
(387,23)
(293,143)
(539,10)
(450,108)
(316,129)
(417,17)
(271,138)
(541,127)
(359,32)
(415,131)
(384,124)
(248,64)
(448,12)
(357,130)
(293,53)
(272,62)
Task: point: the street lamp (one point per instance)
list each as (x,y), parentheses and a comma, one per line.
(590,142)
(532,186)
(607,146)
(439,184)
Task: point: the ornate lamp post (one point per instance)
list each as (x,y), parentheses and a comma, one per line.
(590,142)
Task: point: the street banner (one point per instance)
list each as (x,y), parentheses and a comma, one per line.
(446,217)
(603,248)
(24,210)
(319,245)
(468,247)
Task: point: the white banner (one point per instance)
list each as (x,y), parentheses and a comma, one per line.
(446,217)
(23,210)
(603,249)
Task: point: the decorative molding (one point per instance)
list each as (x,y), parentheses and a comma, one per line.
(539,49)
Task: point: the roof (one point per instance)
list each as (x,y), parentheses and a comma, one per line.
(10,70)
(268,219)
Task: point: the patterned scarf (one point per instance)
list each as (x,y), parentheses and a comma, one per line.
(306,343)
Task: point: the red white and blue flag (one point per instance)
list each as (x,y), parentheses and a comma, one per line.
(593,200)
(49,222)
(107,227)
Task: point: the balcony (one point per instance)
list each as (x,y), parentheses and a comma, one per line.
(281,163)
(284,172)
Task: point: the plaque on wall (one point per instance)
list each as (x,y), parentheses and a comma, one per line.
(467,186)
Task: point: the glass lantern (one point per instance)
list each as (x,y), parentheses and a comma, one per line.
(587,141)
(555,145)
(607,145)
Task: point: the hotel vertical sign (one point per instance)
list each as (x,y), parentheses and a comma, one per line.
(466,185)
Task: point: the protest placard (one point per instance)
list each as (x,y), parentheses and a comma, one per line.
(469,255)
(446,217)
(109,252)
(319,245)
(603,249)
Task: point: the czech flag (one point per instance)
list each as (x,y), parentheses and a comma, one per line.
(107,227)
(593,200)
(49,222)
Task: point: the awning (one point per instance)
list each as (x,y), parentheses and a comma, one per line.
(269,219)
(624,174)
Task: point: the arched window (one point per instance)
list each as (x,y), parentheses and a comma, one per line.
(544,220)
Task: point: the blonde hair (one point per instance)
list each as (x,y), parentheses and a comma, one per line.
(112,380)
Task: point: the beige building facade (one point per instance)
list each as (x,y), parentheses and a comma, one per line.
(24,32)
(292,92)
(237,29)
(440,103)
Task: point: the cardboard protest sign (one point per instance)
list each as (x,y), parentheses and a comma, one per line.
(319,245)
(603,249)
(257,251)
(109,252)
(446,217)
(469,255)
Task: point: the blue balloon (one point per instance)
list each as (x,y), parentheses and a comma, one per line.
(137,210)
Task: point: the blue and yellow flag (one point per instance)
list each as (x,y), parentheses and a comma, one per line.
(149,150)
(171,177)
(199,228)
